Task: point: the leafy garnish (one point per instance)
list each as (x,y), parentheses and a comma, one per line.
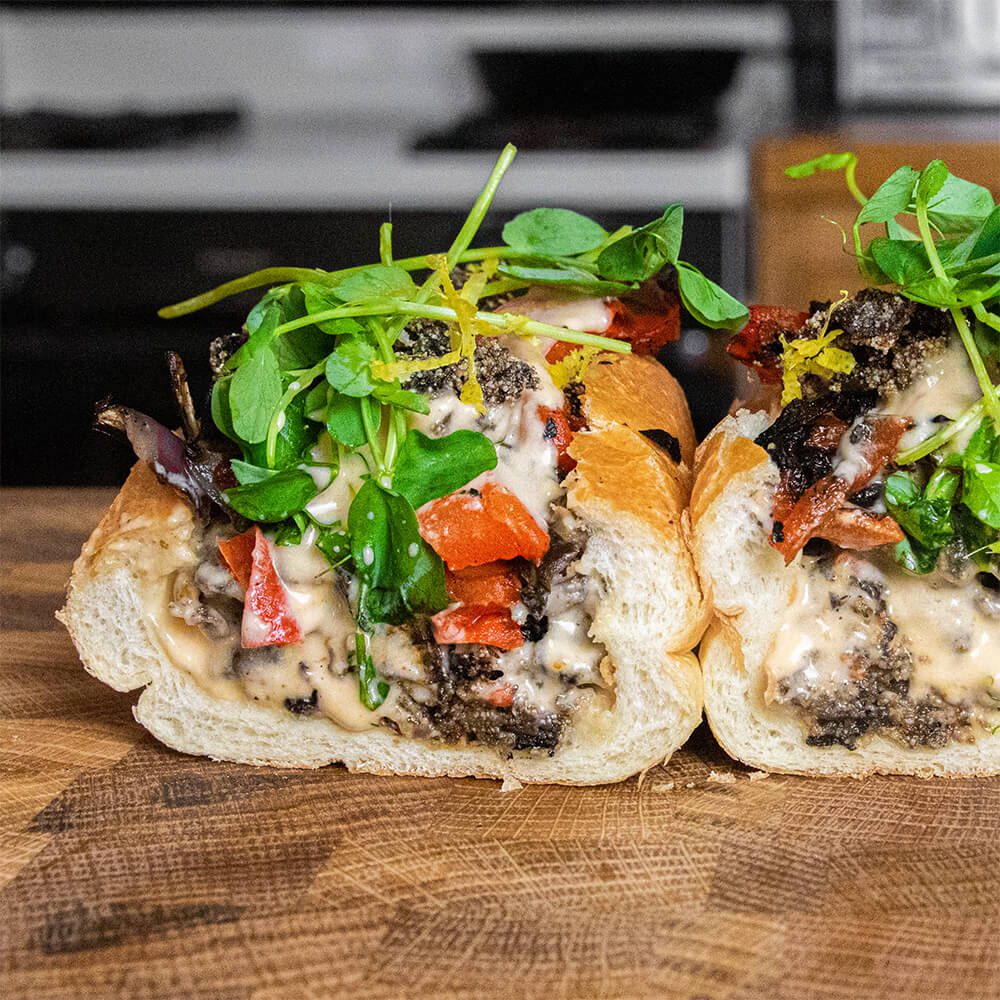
(941,248)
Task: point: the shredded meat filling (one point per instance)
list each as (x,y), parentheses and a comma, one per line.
(876,694)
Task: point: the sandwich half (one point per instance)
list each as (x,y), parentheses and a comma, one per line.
(846,526)
(433,528)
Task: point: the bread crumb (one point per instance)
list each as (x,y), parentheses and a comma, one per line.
(511,785)
(722,778)
(689,784)
(758,775)
(666,786)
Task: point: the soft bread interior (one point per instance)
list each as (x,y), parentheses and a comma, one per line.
(651,613)
(750,588)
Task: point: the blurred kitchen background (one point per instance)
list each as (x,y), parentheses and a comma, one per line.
(152,150)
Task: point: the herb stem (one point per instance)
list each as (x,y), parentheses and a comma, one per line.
(267,276)
(943,436)
(299,384)
(397,421)
(850,170)
(990,399)
(927,238)
(508,322)
(481,206)
(385,243)
(371,433)
(985,316)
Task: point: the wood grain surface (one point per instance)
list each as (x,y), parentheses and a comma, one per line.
(128,870)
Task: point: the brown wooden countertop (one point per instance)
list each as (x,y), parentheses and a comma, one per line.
(129,870)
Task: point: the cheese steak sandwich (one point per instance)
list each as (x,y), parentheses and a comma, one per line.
(847,527)
(436,523)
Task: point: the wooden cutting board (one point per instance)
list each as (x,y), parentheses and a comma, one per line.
(129,870)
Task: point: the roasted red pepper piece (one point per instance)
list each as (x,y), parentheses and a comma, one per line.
(796,521)
(647,318)
(761,330)
(558,431)
(470,528)
(852,528)
(492,585)
(488,626)
(237,554)
(502,696)
(267,618)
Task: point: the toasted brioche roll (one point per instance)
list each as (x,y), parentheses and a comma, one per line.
(633,498)
(750,589)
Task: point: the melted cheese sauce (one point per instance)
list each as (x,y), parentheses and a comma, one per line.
(954,644)
(947,388)
(548,306)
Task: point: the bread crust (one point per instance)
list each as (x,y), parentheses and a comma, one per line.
(750,588)
(633,498)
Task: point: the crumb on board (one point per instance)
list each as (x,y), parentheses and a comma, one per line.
(664,786)
(758,775)
(511,785)
(722,777)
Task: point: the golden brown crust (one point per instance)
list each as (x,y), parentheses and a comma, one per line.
(144,503)
(719,460)
(639,393)
(620,468)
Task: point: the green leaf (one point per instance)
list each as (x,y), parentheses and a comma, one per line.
(984,445)
(254,392)
(825,162)
(247,473)
(378,281)
(275,498)
(393,393)
(987,340)
(268,312)
(343,420)
(892,197)
(334,543)
(981,490)
(981,474)
(288,533)
(896,231)
(943,484)
(901,262)
(566,276)
(349,367)
(976,536)
(221,415)
(927,520)
(424,589)
(399,573)
(987,236)
(428,468)
(321,298)
(645,251)
(959,205)
(553,232)
(293,441)
(914,557)
(932,179)
(371,691)
(707,302)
